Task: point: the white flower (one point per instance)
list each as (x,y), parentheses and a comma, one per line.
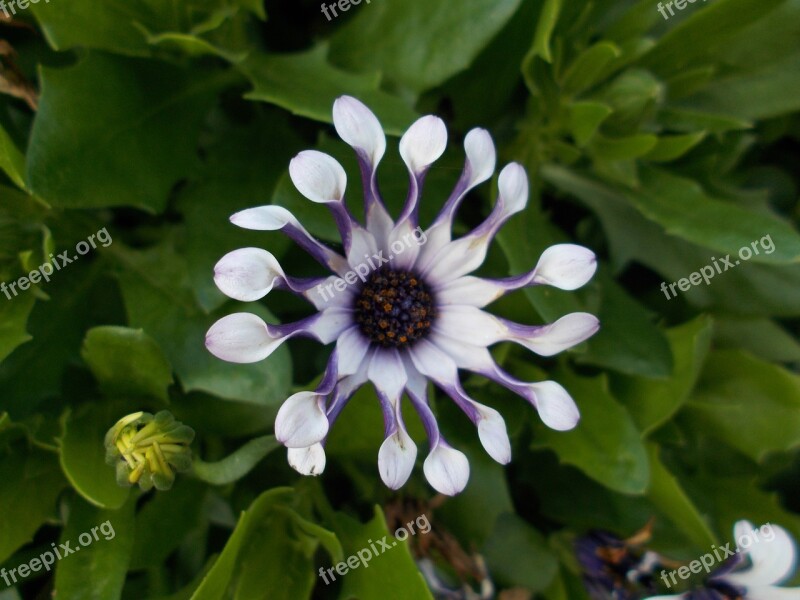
(400,319)
(753,574)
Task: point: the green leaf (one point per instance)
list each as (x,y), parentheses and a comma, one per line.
(235,466)
(13,323)
(165,521)
(666,493)
(12,161)
(127,362)
(306,84)
(83,454)
(158,299)
(672,147)
(705,32)
(761,337)
(682,207)
(103,541)
(751,405)
(108,121)
(392,569)
(518,555)
(412,42)
(545,26)
(32,482)
(270,553)
(585,118)
(605,444)
(588,66)
(122,26)
(623,148)
(628,341)
(653,402)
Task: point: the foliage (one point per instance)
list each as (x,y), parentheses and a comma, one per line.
(663,145)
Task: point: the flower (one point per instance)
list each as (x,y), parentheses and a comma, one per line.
(614,568)
(401,305)
(754,572)
(147,449)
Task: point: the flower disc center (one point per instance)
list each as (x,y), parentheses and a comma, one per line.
(394,308)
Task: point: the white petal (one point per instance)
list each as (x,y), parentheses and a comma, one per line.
(332,322)
(386,371)
(556,407)
(513,188)
(318,176)
(353,347)
(241,338)
(358,126)
(403,244)
(570,330)
(247,274)
(423,143)
(773,559)
(565,266)
(307,461)
(362,248)
(470,291)
(301,421)
(396,459)
(325,295)
(433,363)
(263,218)
(470,325)
(772,593)
(481,155)
(447,470)
(494,435)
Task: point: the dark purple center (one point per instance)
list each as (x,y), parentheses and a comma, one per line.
(394,308)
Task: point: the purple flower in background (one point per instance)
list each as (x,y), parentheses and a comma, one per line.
(755,572)
(401,304)
(616,569)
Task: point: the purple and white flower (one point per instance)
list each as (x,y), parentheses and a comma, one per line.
(755,573)
(415,319)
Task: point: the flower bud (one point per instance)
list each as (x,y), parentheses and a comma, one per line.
(148,450)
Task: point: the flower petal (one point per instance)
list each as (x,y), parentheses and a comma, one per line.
(247,274)
(447,470)
(556,407)
(547,340)
(318,176)
(387,373)
(481,156)
(301,420)
(307,461)
(565,266)
(396,458)
(353,348)
(494,435)
(773,560)
(469,291)
(358,126)
(423,143)
(241,338)
(277,218)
